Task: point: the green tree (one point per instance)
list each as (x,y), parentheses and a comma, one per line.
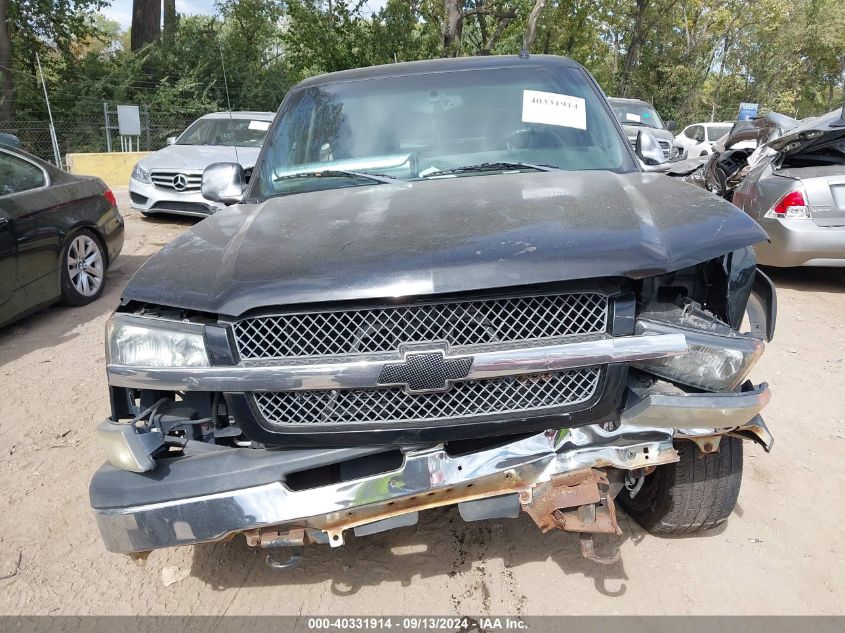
(38,26)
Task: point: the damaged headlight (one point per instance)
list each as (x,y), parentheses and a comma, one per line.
(150,342)
(716,361)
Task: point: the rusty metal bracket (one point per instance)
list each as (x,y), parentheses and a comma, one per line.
(566,490)
(293,540)
(588,551)
(575,502)
(706,443)
(578,501)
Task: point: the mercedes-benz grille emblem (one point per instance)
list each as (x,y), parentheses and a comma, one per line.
(422,372)
(180,182)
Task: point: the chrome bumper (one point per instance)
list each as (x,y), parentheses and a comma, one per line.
(697,410)
(348,374)
(427,478)
(157,195)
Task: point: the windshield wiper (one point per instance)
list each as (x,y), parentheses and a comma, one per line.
(336,173)
(497,166)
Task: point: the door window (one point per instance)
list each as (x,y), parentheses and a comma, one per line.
(17,174)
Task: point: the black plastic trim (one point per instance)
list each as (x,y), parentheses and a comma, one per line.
(764,291)
(219,345)
(623,315)
(209,473)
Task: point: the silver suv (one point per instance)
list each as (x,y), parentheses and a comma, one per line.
(635,115)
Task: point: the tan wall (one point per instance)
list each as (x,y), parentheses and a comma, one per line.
(113,167)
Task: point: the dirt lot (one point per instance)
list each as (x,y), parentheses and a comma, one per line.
(781,553)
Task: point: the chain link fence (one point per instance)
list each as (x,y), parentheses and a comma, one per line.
(88,134)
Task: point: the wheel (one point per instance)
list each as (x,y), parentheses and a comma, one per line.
(693,495)
(83,269)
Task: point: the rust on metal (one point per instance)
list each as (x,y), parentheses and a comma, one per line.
(501,483)
(275,538)
(588,551)
(556,503)
(140,558)
(706,443)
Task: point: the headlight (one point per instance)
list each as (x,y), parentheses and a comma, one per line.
(150,342)
(141,175)
(715,362)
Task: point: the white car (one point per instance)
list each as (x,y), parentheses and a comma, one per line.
(698,139)
(169,180)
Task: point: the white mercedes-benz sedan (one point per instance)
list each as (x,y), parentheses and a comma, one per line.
(169,180)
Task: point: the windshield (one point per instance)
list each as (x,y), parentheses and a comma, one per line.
(636,114)
(240,132)
(419,126)
(715,132)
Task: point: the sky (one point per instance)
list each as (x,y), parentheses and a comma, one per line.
(121,10)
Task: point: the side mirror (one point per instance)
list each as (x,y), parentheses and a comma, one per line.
(671,125)
(648,150)
(171,140)
(223,182)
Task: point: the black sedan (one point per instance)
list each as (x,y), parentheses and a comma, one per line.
(58,234)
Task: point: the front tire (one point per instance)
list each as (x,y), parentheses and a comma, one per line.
(697,493)
(83,269)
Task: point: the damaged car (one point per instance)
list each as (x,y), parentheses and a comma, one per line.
(447,283)
(796,191)
(790,177)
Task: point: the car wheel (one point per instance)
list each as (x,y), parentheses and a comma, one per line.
(83,269)
(695,494)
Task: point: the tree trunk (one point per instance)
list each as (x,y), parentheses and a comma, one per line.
(637,35)
(533,17)
(146,23)
(452,28)
(7,80)
(170,18)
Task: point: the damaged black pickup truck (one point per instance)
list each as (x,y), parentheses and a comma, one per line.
(450,282)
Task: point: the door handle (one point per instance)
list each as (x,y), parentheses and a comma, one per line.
(4,223)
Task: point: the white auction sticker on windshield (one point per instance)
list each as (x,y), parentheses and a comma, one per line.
(261,126)
(633,117)
(553,109)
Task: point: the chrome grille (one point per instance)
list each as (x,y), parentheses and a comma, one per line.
(463,323)
(526,395)
(165,179)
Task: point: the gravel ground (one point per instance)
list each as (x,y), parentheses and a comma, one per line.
(781,553)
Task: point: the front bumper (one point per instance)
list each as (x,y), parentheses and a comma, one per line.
(214,495)
(801,243)
(149,198)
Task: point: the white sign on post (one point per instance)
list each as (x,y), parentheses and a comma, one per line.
(129,120)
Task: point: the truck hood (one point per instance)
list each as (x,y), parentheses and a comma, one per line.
(198,157)
(438,236)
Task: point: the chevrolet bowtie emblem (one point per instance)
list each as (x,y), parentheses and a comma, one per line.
(422,372)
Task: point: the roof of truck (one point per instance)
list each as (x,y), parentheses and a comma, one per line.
(438,65)
(628,100)
(240,114)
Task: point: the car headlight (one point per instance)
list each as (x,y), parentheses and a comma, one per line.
(141,175)
(151,342)
(714,362)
